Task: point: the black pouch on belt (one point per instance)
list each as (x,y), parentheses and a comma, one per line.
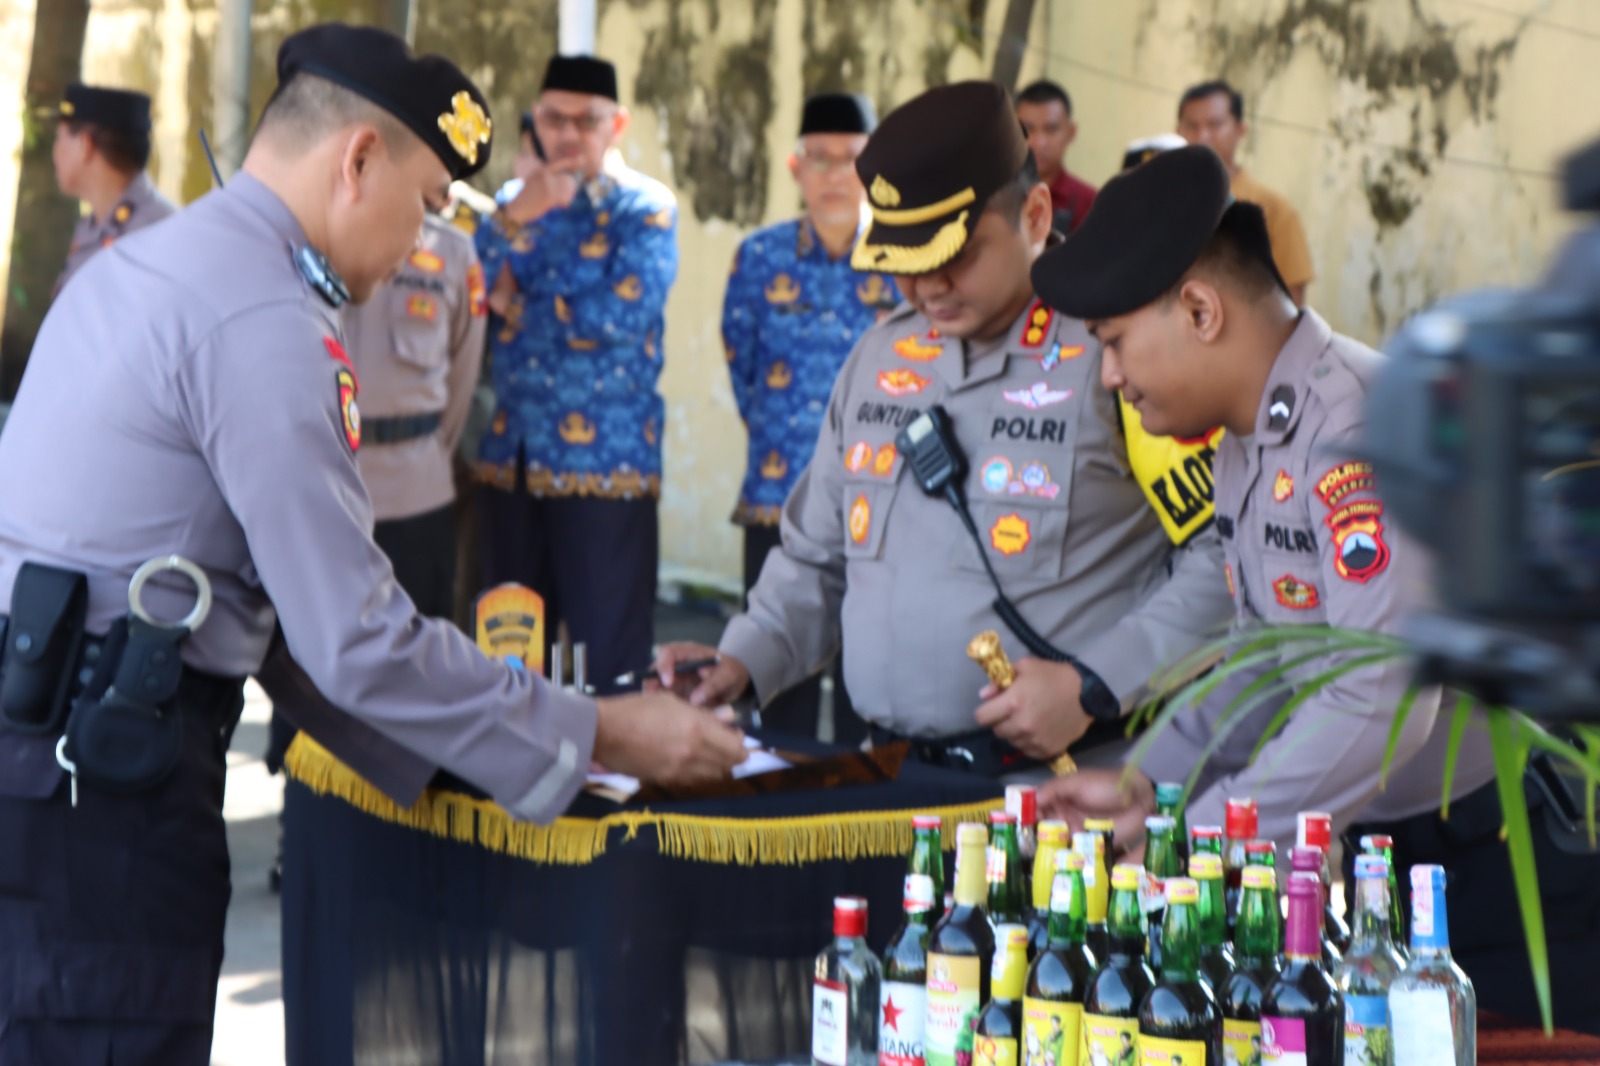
(128,738)
(43,638)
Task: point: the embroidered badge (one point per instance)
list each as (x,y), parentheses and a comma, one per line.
(420,306)
(1010,534)
(1038,395)
(912,347)
(782,290)
(349,413)
(121,215)
(1281,409)
(465,126)
(337,352)
(779,376)
(1039,317)
(883,462)
(576,429)
(774,466)
(1035,477)
(426,261)
(1295,594)
(996,475)
(1059,354)
(1282,486)
(1358,539)
(883,194)
(858,457)
(860,520)
(477,294)
(1342,480)
(901,382)
(1227,571)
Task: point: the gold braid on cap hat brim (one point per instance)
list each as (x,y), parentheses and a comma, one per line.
(919,259)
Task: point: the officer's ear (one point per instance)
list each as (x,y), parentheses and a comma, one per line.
(619,123)
(361,147)
(1201,306)
(1038,215)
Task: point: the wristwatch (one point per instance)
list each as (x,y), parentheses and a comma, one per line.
(1096,698)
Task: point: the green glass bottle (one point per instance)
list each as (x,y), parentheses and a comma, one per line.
(960,952)
(1052,999)
(1180,1021)
(1161,861)
(1169,801)
(1006,904)
(1383,845)
(997,1038)
(1205,839)
(1216,957)
(1256,963)
(1111,1007)
(927,853)
(1052,837)
(1097,879)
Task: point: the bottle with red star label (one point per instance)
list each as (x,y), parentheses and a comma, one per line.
(903,1014)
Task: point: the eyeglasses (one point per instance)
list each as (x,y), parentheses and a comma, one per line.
(826,164)
(587,122)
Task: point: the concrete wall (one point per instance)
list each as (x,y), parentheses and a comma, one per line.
(1418,137)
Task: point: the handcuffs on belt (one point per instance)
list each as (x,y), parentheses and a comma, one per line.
(123,735)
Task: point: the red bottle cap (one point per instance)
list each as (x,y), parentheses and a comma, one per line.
(1206,832)
(849,916)
(1022,803)
(926,821)
(1377,840)
(1315,830)
(1242,821)
(1002,818)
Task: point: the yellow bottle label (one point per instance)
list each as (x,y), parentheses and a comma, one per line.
(1158,1051)
(1052,1033)
(954,982)
(994,1051)
(1110,1041)
(1241,1042)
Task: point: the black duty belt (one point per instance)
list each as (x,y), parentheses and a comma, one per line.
(399,429)
(981,752)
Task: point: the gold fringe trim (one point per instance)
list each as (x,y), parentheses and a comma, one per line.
(579,841)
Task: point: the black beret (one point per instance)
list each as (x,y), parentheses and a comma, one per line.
(114,109)
(525,124)
(929,169)
(838,113)
(1147,227)
(581,74)
(428,93)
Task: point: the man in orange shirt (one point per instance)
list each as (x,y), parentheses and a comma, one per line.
(1212,113)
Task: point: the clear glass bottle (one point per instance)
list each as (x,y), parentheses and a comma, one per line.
(1432,1007)
(903,1013)
(960,952)
(845,988)
(1302,1014)
(1369,969)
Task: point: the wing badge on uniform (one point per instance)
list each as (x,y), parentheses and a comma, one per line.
(1038,395)
(901,382)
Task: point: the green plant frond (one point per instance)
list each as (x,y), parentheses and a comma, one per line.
(1458,729)
(1401,714)
(1257,638)
(1192,694)
(1510,744)
(1309,688)
(1589,736)
(1539,737)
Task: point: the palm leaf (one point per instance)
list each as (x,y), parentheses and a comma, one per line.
(1458,729)
(1511,748)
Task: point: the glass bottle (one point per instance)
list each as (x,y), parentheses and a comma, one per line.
(1432,1007)
(1314,829)
(1179,1021)
(1302,1014)
(845,989)
(1022,803)
(1261,853)
(997,1038)
(1382,844)
(1169,801)
(1004,872)
(1256,963)
(960,952)
(1369,969)
(1216,958)
(1239,827)
(927,854)
(1107,829)
(1307,863)
(1097,879)
(1205,838)
(1119,986)
(904,1010)
(1053,837)
(1052,999)
(1161,861)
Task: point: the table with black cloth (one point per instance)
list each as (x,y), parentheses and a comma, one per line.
(681,932)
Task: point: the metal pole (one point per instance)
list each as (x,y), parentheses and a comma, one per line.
(400,16)
(230,85)
(577,27)
(1013,43)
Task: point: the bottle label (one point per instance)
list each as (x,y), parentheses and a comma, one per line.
(1241,1042)
(1152,893)
(997,866)
(953,985)
(1110,1041)
(1283,1041)
(1422,914)
(900,1023)
(1366,1031)
(1052,1033)
(830,1022)
(994,1051)
(1157,1051)
(1419,1021)
(918,893)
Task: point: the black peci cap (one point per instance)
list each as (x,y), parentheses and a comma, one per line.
(838,113)
(114,109)
(1146,148)
(581,74)
(929,169)
(428,93)
(1147,227)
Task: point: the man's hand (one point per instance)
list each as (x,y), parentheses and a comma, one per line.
(1087,794)
(547,187)
(1039,714)
(658,738)
(710,686)
(504,291)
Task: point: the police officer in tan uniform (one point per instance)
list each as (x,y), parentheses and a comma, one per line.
(101,148)
(417,347)
(207,420)
(1120,580)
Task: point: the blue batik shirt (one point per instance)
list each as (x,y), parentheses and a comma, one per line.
(791,316)
(578,356)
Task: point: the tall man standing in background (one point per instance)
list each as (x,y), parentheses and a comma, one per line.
(1045,111)
(571,465)
(794,309)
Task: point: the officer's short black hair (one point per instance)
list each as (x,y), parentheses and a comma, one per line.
(1007,200)
(1228,258)
(307,108)
(1044,92)
(1214,88)
(126,152)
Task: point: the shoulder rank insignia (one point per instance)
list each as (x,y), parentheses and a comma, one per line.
(1281,409)
(465,126)
(1039,317)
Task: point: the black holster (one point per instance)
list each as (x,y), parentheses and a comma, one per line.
(126,738)
(43,639)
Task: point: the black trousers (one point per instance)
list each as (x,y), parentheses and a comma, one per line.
(1486,934)
(798,709)
(594,561)
(111,912)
